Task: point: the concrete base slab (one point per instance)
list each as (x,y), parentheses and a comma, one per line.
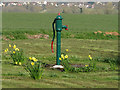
(57,66)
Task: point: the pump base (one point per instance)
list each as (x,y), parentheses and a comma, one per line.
(57,66)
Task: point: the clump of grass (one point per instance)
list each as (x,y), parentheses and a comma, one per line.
(113,62)
(108,60)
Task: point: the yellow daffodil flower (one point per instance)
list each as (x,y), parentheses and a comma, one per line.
(32,63)
(86,65)
(66,56)
(10,45)
(5,51)
(14,46)
(19,63)
(16,63)
(34,59)
(30,58)
(13,51)
(60,59)
(90,57)
(66,50)
(16,49)
(62,55)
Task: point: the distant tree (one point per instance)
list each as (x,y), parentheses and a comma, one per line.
(119,6)
(27,6)
(43,6)
(108,8)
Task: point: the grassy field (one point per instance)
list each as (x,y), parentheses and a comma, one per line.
(75,22)
(80,26)
(14,76)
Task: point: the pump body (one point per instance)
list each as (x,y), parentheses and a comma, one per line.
(59,27)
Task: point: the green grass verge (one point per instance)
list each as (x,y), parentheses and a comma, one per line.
(16,35)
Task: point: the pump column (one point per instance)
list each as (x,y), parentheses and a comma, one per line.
(58,29)
(58,55)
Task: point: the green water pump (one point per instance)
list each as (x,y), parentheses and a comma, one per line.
(58,26)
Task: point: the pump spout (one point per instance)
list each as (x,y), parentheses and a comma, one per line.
(65,26)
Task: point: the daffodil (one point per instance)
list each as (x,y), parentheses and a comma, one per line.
(90,57)
(5,51)
(10,45)
(32,63)
(16,63)
(62,56)
(60,59)
(13,51)
(14,46)
(34,59)
(19,63)
(16,49)
(66,56)
(30,58)
(66,50)
(86,65)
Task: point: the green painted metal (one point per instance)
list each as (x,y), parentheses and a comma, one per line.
(58,54)
(63,26)
(59,28)
(59,23)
